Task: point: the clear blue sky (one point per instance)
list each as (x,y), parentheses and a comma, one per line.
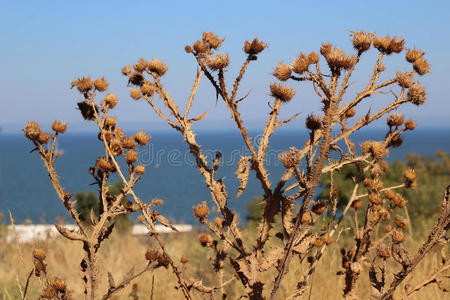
(46,44)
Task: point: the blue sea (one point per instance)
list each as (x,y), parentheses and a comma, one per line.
(26,191)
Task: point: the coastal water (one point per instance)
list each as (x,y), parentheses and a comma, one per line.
(26,191)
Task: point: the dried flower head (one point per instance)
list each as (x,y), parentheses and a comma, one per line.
(118,133)
(87,110)
(116,147)
(290,158)
(152,255)
(318,208)
(375,199)
(32,130)
(140,169)
(201,211)
(157,66)
(413,54)
(382,44)
(157,202)
(136,79)
(101,84)
(44,138)
(110,100)
(396,45)
(404,80)
(105,165)
(328,240)
(111,122)
(376,149)
(58,284)
(83,84)
(325,49)
(313,122)
(48,292)
(39,266)
(254,47)
(300,64)
(282,72)
(126,70)
(131,156)
(201,47)
(306,218)
(282,92)
(421,66)
(387,228)
(318,242)
(164,261)
(218,222)
(219,62)
(383,251)
(376,171)
(410,124)
(400,222)
(384,165)
(313,58)
(205,240)
(395,120)
(135,94)
(397,236)
(188,49)
(142,138)
(184,259)
(212,39)
(337,59)
(140,65)
(410,178)
(129,142)
(416,94)
(350,112)
(373,185)
(147,88)
(59,126)
(39,254)
(361,41)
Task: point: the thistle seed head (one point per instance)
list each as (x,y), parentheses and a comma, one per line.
(376,149)
(325,49)
(135,94)
(416,94)
(59,126)
(140,65)
(396,44)
(400,222)
(32,130)
(404,80)
(282,72)
(86,109)
(83,84)
(219,62)
(395,120)
(410,178)
(382,44)
(410,124)
(147,89)
(375,199)
(313,122)
(414,54)
(131,156)
(152,255)
(300,64)
(129,142)
(136,79)
(201,211)
(313,58)
(201,47)
(218,222)
(105,165)
(101,84)
(157,66)
(282,92)
(58,284)
(212,39)
(421,66)
(383,251)
(140,169)
(44,138)
(254,47)
(397,236)
(116,147)
(290,158)
(111,122)
(337,59)
(48,292)
(205,240)
(126,70)
(142,138)
(361,41)
(39,254)
(111,100)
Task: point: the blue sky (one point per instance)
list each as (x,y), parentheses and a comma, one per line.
(46,44)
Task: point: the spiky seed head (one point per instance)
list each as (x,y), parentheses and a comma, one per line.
(32,130)
(142,138)
(416,94)
(219,62)
(282,92)
(328,240)
(376,149)
(387,228)
(212,39)
(414,54)
(129,142)
(58,284)
(381,68)
(201,47)
(135,94)
(140,65)
(396,119)
(111,100)
(254,47)
(404,80)
(140,169)
(325,49)
(410,178)
(313,58)
(201,211)
(313,122)
(318,242)
(157,202)
(184,259)
(300,64)
(382,44)
(218,222)
(131,156)
(157,66)
(188,49)
(384,165)
(118,133)
(152,255)
(164,261)
(290,158)
(116,147)
(398,200)
(44,138)
(59,126)
(375,199)
(282,72)
(306,218)
(147,89)
(111,121)
(396,44)
(357,204)
(205,240)
(350,112)
(39,254)
(105,165)
(373,184)
(383,251)
(83,84)
(410,124)
(396,141)
(421,66)
(337,59)
(101,84)
(136,79)
(318,208)
(86,109)
(400,222)
(397,236)
(48,292)
(361,41)
(126,70)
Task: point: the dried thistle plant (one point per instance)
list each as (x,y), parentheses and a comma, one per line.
(305,230)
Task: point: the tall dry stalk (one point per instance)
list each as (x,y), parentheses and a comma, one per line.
(291,197)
